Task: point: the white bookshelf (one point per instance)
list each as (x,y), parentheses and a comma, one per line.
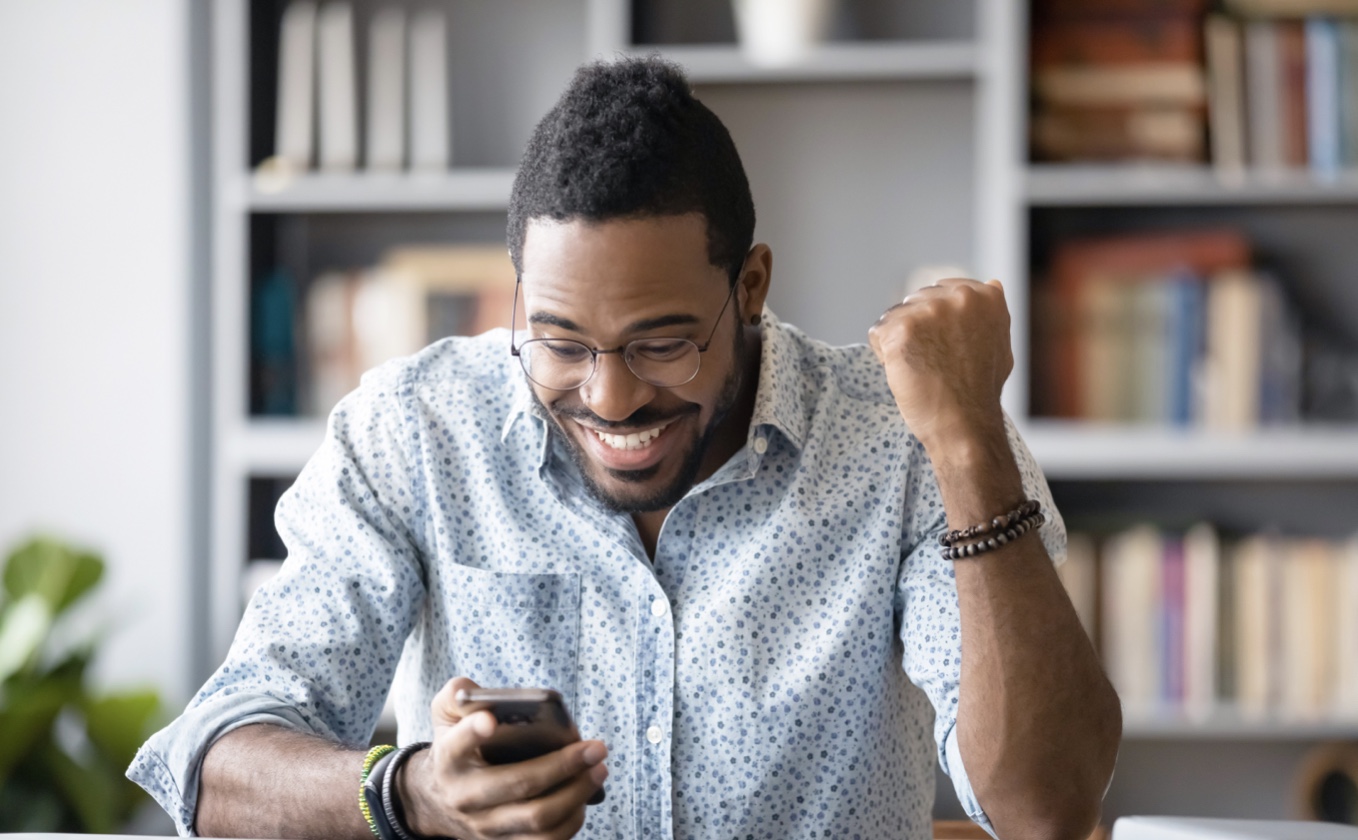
(456,190)
(1051,185)
(829,63)
(1070,450)
(1227,725)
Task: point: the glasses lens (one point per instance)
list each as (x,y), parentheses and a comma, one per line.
(557,363)
(664,362)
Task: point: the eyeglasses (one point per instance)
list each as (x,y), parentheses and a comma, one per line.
(564,364)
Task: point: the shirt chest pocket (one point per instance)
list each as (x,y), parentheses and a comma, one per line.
(516,630)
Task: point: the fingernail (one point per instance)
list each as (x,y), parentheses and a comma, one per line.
(595,753)
(483,723)
(598,773)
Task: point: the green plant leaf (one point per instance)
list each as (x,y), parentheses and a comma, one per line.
(118,724)
(57,572)
(88,791)
(26,718)
(24,626)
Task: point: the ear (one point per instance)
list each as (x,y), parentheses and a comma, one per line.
(754,281)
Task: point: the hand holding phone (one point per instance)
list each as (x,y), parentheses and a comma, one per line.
(545,777)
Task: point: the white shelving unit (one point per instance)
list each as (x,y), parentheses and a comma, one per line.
(868,159)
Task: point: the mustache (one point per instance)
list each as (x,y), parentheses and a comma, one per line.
(643,418)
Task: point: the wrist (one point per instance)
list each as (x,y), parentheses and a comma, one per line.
(411,787)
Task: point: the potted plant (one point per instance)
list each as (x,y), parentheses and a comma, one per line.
(63,746)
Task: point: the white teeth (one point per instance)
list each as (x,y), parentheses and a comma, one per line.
(636,440)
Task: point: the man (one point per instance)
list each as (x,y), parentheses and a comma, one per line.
(717,538)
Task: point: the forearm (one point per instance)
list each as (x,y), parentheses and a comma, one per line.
(1038,723)
(267,781)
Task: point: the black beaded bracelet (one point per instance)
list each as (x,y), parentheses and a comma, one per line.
(391,804)
(998,525)
(1008,535)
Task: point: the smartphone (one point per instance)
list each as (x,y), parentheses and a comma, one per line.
(530,722)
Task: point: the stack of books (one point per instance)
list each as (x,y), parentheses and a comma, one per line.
(1284,86)
(1118,80)
(1172,329)
(1193,626)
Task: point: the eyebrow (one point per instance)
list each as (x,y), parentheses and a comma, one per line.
(644,325)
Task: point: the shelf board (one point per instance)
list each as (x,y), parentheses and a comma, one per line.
(274,446)
(1229,726)
(457,189)
(886,60)
(1057,185)
(1096,451)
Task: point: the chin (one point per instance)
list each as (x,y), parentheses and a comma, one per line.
(641,491)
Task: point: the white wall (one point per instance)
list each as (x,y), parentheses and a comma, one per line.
(94,257)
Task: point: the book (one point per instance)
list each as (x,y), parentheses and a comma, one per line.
(1118,133)
(296,106)
(1348,93)
(1186,345)
(1162,84)
(430,129)
(1255,619)
(1079,576)
(1226,94)
(1131,600)
(1345,706)
(1202,560)
(1103,41)
(1292,58)
(386,123)
(1264,97)
(1232,365)
(1280,356)
(1291,8)
(1172,608)
(1322,97)
(1306,631)
(338,88)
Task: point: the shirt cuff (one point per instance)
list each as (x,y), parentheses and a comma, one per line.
(167,766)
(952,765)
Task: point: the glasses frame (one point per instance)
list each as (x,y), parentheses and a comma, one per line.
(595,353)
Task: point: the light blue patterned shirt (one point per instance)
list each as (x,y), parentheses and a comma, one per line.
(772,674)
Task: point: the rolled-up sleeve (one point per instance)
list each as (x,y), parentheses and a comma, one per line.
(931,620)
(318,644)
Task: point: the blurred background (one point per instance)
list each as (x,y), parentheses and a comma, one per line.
(215,215)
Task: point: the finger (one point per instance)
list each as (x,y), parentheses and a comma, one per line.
(544,814)
(524,780)
(997,284)
(459,745)
(444,709)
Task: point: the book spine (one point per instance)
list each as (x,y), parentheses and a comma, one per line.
(1322,96)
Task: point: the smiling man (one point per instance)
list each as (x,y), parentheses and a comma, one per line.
(773,580)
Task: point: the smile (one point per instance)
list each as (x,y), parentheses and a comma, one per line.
(632,441)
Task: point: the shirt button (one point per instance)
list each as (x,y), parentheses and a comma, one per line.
(761,445)
(659,607)
(654,735)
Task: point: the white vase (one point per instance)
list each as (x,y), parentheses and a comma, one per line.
(778,33)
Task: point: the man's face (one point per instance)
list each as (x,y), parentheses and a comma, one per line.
(605,284)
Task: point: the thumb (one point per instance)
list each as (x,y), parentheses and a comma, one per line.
(997,284)
(445,710)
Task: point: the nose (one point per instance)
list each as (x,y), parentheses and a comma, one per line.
(614,393)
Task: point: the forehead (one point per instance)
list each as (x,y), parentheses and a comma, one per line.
(644,262)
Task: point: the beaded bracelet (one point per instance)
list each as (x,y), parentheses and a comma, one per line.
(998,525)
(1009,534)
(374,755)
(391,804)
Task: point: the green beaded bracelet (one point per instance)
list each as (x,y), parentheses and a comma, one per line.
(374,755)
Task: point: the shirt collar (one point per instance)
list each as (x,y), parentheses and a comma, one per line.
(778,396)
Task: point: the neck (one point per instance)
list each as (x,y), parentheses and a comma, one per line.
(730,436)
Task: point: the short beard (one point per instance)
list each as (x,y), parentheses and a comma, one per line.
(668,496)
